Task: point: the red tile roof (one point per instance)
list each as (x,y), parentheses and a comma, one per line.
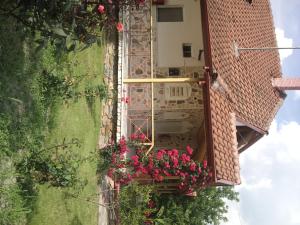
(246,81)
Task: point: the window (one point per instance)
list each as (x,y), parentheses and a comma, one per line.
(174,72)
(177,91)
(171,14)
(187,50)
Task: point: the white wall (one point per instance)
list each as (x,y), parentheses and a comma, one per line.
(171,36)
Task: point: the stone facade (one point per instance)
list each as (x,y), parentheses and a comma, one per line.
(135,60)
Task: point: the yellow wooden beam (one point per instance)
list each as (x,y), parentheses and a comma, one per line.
(162,80)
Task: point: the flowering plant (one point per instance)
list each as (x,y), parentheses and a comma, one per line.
(158,165)
(68,23)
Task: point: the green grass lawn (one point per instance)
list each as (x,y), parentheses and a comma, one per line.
(30,121)
(75,120)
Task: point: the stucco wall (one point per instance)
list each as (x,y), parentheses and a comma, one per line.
(171,35)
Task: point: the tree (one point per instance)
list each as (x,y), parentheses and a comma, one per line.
(209,207)
(65,23)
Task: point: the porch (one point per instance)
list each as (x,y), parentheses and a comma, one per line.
(161,78)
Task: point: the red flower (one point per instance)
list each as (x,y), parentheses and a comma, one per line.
(181,186)
(159,155)
(151,204)
(122,141)
(156,171)
(175,162)
(120,165)
(204,164)
(167,165)
(189,150)
(160,178)
(182,174)
(185,158)
(119,26)
(194,179)
(113,158)
(133,137)
(101,9)
(193,166)
(142,137)
(150,165)
(199,170)
(110,172)
(135,159)
(175,152)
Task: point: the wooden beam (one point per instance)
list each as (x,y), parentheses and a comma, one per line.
(163,80)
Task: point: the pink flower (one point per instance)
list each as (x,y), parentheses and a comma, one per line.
(119,26)
(175,162)
(167,165)
(122,141)
(125,99)
(189,150)
(181,186)
(166,173)
(199,170)
(135,159)
(193,166)
(113,158)
(110,1)
(133,136)
(160,178)
(151,204)
(142,137)
(156,171)
(204,164)
(159,155)
(185,158)
(110,172)
(194,179)
(101,9)
(175,152)
(150,165)
(143,169)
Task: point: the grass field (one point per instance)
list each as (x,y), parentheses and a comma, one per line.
(31,122)
(76,120)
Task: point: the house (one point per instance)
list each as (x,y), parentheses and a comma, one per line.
(185,84)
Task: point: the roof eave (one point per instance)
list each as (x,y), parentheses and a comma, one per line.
(206,87)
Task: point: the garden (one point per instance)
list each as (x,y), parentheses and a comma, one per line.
(51,97)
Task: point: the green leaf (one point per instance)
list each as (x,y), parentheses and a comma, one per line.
(59,31)
(160,222)
(161,211)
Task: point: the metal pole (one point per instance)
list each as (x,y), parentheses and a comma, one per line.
(237,49)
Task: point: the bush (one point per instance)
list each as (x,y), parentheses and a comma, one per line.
(208,207)
(12,205)
(133,203)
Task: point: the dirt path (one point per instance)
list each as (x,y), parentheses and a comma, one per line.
(106,214)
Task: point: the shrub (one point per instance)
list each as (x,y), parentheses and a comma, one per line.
(133,201)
